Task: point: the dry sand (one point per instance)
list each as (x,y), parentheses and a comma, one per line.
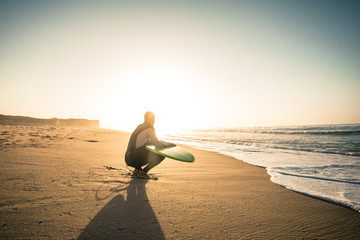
(54,186)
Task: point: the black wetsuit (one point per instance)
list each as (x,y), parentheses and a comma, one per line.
(138,156)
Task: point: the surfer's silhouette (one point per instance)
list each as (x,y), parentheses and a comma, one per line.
(136,154)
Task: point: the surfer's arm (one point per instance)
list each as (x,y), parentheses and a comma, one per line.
(154,140)
(167,144)
(148,137)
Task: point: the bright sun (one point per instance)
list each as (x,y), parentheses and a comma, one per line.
(166,91)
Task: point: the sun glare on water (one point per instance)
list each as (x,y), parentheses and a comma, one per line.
(165,91)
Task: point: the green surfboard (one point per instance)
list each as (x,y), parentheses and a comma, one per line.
(173,152)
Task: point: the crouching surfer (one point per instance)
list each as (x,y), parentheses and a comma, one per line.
(137,155)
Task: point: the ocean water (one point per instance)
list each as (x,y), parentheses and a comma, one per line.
(320,161)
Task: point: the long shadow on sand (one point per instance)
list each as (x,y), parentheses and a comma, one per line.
(132,218)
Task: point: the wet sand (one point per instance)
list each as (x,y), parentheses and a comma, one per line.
(54,186)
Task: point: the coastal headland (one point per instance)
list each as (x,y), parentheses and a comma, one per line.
(72,122)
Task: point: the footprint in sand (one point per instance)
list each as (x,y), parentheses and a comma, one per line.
(34,135)
(3,141)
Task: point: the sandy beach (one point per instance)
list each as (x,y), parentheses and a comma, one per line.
(54,186)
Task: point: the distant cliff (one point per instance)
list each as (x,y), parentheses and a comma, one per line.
(20,120)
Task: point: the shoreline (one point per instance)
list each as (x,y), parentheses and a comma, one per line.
(270,176)
(342,204)
(274,175)
(54,186)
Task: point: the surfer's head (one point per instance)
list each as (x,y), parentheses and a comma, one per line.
(149,117)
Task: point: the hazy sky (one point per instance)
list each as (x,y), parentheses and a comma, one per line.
(193,63)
